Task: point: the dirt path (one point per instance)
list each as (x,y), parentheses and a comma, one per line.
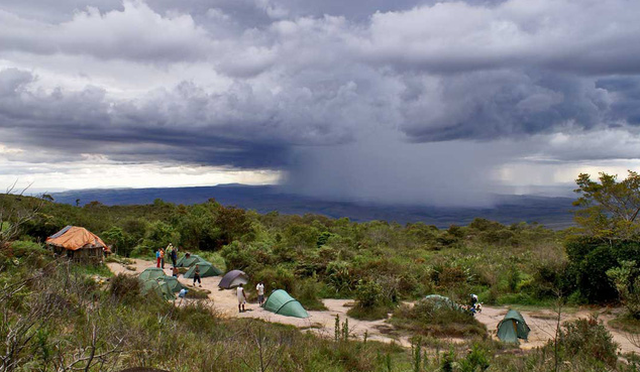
(541,322)
(543,325)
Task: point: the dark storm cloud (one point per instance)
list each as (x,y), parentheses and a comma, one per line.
(270,83)
(497,104)
(238,128)
(627,91)
(86,122)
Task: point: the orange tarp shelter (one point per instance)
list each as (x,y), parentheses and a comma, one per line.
(74,238)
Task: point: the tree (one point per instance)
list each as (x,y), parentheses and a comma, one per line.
(609,208)
(626,278)
(14,216)
(115,237)
(233,224)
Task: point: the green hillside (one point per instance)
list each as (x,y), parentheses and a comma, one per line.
(63,316)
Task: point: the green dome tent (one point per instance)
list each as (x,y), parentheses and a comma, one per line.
(513,327)
(188,262)
(280,302)
(159,286)
(154,273)
(173,283)
(151,273)
(206,269)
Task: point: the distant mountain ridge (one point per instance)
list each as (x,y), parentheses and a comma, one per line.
(553,212)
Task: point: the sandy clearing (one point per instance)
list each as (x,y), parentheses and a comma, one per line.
(541,322)
(543,325)
(320,322)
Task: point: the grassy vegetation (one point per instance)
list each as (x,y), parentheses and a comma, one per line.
(369,313)
(55,316)
(625,323)
(314,257)
(62,318)
(63,314)
(435,319)
(92,270)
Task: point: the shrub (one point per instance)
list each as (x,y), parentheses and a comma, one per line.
(590,339)
(277,278)
(627,281)
(369,294)
(437,319)
(340,276)
(590,259)
(125,288)
(370,304)
(448,240)
(592,278)
(514,278)
(141,250)
(197,316)
(22,248)
(307,292)
(449,275)
(551,279)
(369,313)
(248,257)
(476,361)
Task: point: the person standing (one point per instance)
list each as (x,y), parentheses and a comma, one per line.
(174,257)
(162,257)
(158,258)
(196,276)
(260,290)
(242,299)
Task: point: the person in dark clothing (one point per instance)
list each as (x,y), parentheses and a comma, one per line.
(196,276)
(174,257)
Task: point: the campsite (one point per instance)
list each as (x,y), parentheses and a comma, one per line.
(320,186)
(340,295)
(323,322)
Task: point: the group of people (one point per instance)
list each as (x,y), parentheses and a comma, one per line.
(242,296)
(171,251)
(173,254)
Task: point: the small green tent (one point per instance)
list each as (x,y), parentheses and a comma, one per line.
(280,302)
(513,327)
(188,262)
(439,301)
(159,286)
(151,273)
(173,283)
(206,269)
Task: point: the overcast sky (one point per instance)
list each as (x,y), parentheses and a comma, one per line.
(435,102)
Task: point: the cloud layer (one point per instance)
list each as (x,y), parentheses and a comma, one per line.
(298,86)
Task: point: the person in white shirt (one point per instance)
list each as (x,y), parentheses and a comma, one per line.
(260,290)
(242,299)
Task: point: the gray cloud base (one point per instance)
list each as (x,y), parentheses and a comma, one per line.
(295,85)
